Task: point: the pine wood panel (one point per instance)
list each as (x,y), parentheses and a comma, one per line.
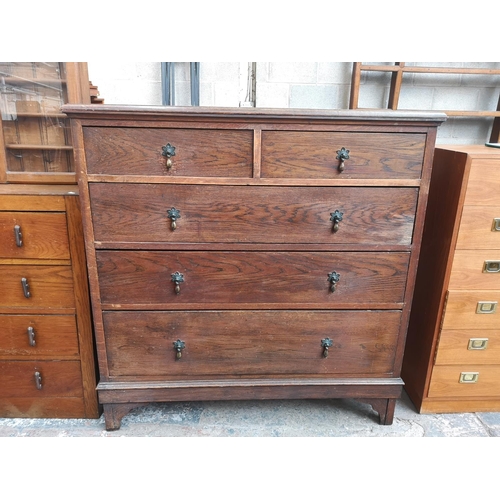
(255,214)
(198,153)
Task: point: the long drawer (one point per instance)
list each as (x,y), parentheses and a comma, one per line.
(474,310)
(311,155)
(257,214)
(38,336)
(479,228)
(27,379)
(33,235)
(45,287)
(196,153)
(235,343)
(148,278)
(475,270)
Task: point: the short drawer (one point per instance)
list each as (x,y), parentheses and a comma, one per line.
(479,228)
(484,183)
(472,310)
(27,379)
(145,278)
(475,270)
(44,287)
(254,214)
(33,235)
(37,336)
(235,343)
(198,152)
(469,347)
(310,155)
(465,381)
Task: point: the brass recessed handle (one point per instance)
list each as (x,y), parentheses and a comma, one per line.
(26,288)
(325,344)
(38,380)
(168,151)
(477,344)
(333,278)
(491,266)
(173,214)
(178,346)
(469,377)
(31,336)
(496,224)
(177,278)
(18,235)
(342,156)
(336,217)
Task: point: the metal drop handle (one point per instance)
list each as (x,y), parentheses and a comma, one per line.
(173,214)
(38,380)
(31,336)
(342,156)
(333,278)
(325,344)
(336,217)
(177,278)
(178,346)
(18,235)
(168,151)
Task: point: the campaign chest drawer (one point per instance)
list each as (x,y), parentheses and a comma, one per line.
(252,214)
(267,342)
(251,253)
(196,153)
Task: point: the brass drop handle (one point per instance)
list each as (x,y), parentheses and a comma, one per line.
(325,344)
(173,214)
(333,278)
(168,151)
(26,288)
(31,336)
(336,217)
(342,156)
(18,235)
(177,278)
(38,380)
(178,346)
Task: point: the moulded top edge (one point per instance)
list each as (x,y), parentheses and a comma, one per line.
(95,110)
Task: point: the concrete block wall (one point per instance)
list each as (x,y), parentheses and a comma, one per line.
(313,85)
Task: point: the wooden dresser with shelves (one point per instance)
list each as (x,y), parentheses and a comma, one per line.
(451,361)
(47,354)
(250,254)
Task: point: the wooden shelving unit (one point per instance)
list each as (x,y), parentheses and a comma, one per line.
(397,72)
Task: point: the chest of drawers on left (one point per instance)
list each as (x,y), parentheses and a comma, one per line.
(47,367)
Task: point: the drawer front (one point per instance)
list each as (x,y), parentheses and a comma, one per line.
(141,344)
(479,228)
(145,278)
(472,310)
(475,270)
(446,381)
(34,336)
(56,379)
(198,153)
(309,155)
(33,235)
(469,347)
(48,287)
(251,214)
(483,186)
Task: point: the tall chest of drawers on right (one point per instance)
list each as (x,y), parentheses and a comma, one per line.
(452,357)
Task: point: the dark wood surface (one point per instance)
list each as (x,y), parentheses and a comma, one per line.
(255,245)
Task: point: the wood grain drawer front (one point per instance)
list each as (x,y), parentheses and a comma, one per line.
(310,155)
(461,310)
(49,287)
(475,270)
(251,343)
(33,336)
(198,152)
(145,278)
(255,214)
(479,228)
(483,187)
(33,235)
(469,347)
(445,381)
(56,379)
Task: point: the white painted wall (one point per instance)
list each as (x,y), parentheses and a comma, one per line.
(309,85)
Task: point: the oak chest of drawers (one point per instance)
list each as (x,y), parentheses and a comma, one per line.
(452,361)
(47,367)
(250,254)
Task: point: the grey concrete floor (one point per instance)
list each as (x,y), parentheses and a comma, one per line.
(287,418)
